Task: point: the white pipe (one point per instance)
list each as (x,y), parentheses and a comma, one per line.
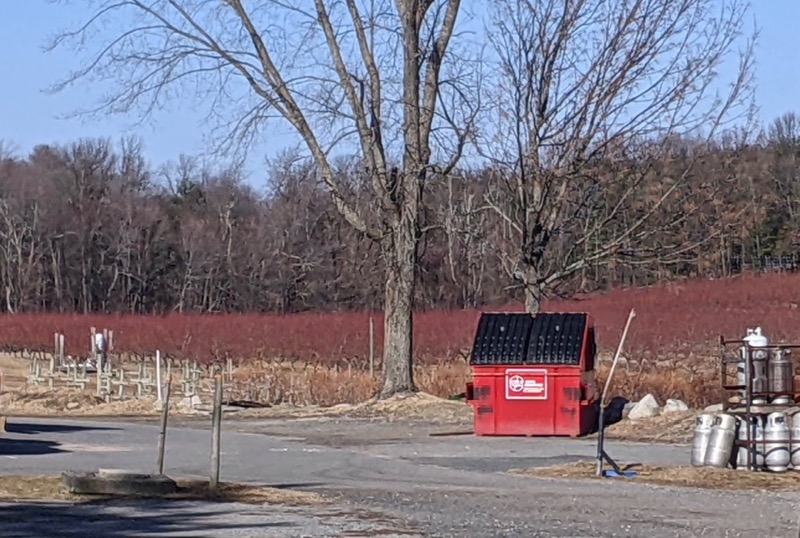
(616,358)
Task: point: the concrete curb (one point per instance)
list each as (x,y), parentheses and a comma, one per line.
(108,482)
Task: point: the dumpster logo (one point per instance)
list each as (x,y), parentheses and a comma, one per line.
(526,384)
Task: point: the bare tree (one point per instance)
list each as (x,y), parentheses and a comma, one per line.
(591,93)
(365,75)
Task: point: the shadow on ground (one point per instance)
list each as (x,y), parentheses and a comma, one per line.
(28,447)
(32,428)
(130,518)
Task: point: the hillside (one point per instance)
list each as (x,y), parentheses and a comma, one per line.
(674,319)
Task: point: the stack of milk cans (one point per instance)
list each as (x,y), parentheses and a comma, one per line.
(721,440)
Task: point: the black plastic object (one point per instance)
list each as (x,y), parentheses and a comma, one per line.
(556,339)
(547,338)
(502,339)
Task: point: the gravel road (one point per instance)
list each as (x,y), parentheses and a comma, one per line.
(395,479)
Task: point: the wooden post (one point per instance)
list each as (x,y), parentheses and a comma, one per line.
(162,433)
(61,348)
(216,426)
(98,373)
(158,376)
(371,346)
(52,372)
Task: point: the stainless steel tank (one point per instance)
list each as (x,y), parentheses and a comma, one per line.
(760,379)
(755,341)
(781,376)
(720,442)
(756,448)
(776,443)
(702,433)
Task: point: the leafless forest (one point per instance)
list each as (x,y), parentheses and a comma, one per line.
(89,227)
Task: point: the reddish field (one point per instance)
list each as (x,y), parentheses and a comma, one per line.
(674,335)
(673,319)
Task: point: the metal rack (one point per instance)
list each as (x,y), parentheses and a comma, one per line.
(749,410)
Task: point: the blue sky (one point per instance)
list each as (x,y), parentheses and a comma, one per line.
(28,116)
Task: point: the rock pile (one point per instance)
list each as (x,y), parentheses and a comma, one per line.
(648,407)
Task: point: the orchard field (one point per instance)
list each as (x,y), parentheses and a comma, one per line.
(671,348)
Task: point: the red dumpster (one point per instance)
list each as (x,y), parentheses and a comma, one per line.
(533,375)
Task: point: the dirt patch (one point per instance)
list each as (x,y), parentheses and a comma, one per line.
(685,476)
(671,428)
(417,406)
(52,488)
(34,401)
(41,401)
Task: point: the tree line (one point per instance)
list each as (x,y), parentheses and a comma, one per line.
(89,227)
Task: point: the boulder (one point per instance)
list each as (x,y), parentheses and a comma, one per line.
(647,407)
(674,406)
(626,411)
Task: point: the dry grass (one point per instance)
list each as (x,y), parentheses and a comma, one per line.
(19,488)
(419,406)
(302,384)
(673,428)
(691,378)
(684,476)
(42,401)
(698,386)
(200,490)
(289,385)
(283,385)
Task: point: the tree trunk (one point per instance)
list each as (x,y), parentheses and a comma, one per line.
(533,291)
(400,259)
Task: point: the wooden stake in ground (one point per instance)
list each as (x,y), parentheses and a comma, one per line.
(162,433)
(216,423)
(159,390)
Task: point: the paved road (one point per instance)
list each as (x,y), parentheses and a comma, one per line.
(445,486)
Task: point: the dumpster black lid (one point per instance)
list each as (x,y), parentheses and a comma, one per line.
(519,338)
(557,338)
(501,338)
